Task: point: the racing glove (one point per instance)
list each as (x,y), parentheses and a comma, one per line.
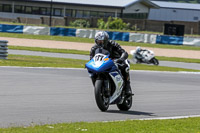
(119,60)
(123,57)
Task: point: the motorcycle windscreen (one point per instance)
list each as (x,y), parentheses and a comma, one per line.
(100,64)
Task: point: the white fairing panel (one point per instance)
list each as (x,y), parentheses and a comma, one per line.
(117,78)
(98,60)
(147,55)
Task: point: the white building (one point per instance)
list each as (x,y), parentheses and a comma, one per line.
(172,11)
(76,8)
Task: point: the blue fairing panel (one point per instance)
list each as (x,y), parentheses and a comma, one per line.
(106,66)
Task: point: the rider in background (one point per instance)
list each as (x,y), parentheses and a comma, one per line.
(116,52)
(139,51)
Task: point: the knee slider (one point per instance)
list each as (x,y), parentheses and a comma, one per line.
(127,69)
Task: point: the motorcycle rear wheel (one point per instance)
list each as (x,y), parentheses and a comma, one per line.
(101,100)
(126,105)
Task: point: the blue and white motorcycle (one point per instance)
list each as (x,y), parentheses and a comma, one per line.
(109,84)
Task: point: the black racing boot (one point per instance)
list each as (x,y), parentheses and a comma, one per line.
(128,91)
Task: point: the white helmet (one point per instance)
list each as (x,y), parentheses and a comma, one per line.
(138,49)
(101,36)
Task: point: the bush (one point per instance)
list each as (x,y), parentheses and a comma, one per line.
(80,23)
(134,27)
(101,24)
(113,23)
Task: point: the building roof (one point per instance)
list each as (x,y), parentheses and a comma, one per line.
(116,3)
(107,3)
(177,5)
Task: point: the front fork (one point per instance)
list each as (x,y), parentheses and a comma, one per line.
(107,88)
(93,78)
(106,83)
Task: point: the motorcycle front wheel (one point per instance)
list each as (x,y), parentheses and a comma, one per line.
(101,100)
(155,61)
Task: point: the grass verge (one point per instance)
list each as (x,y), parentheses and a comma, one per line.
(189,125)
(65,51)
(88,40)
(159,68)
(68,51)
(40,61)
(187,60)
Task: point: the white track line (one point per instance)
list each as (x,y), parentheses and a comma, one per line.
(159,118)
(173,117)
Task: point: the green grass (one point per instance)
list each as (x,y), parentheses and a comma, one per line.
(189,125)
(16,23)
(67,51)
(164,46)
(175,59)
(47,37)
(39,61)
(159,68)
(187,60)
(88,40)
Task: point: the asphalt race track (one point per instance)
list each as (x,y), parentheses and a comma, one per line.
(48,95)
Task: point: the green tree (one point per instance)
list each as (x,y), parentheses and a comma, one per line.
(80,23)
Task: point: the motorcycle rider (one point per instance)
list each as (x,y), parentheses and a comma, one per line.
(138,52)
(116,52)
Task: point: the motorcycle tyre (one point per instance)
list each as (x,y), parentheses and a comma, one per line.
(155,61)
(126,105)
(138,61)
(99,96)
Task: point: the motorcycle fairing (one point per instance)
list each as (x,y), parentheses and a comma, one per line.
(147,55)
(100,63)
(118,81)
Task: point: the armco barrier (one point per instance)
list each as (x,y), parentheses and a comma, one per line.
(11,28)
(62,31)
(191,41)
(148,38)
(86,33)
(122,36)
(144,38)
(3,49)
(174,40)
(35,30)
(136,37)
